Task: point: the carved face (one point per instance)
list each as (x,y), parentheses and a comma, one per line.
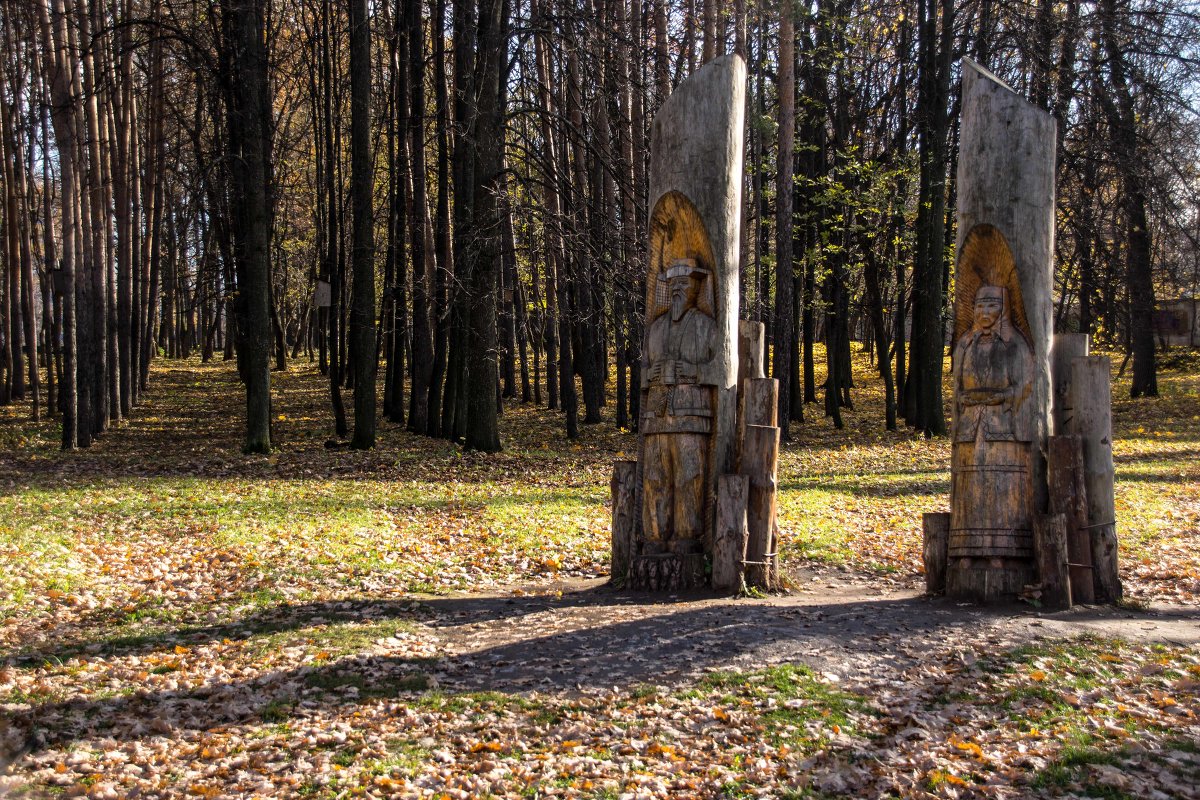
(684,289)
(989,307)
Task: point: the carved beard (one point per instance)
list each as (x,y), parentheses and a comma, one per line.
(679,304)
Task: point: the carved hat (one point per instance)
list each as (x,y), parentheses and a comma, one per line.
(986,260)
(682,267)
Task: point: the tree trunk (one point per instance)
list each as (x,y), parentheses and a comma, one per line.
(781,367)
(249,128)
(362,311)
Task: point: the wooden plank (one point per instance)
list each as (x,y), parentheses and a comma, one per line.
(760,462)
(624,516)
(729,547)
(935,528)
(1050,541)
(1068,496)
(1091,404)
(1066,348)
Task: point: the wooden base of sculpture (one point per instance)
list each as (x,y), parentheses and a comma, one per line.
(667,572)
(988,580)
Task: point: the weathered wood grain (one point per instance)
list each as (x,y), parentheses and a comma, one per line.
(935,531)
(1091,420)
(1068,496)
(729,546)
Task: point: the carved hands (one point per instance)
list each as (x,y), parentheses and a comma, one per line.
(669,372)
(986,397)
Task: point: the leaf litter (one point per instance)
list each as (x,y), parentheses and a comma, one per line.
(183,621)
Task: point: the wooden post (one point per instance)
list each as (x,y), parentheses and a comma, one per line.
(729,549)
(1066,348)
(758,405)
(1068,496)
(751,339)
(1050,542)
(760,461)
(624,516)
(935,528)
(688,386)
(1003,321)
(762,402)
(1091,420)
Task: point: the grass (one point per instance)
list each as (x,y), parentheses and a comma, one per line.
(423,515)
(792,696)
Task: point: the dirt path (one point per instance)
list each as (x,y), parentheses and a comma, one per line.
(592,636)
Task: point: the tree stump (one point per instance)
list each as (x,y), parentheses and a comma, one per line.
(729,548)
(760,462)
(624,516)
(1068,496)
(935,529)
(1091,420)
(1050,541)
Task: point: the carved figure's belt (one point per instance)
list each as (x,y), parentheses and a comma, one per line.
(679,400)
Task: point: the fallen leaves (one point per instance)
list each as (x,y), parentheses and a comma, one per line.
(181,621)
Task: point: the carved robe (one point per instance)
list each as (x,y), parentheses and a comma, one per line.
(992,489)
(676,422)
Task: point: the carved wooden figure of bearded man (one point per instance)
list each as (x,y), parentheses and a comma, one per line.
(677,414)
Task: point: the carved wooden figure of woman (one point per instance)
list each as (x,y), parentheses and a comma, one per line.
(992,492)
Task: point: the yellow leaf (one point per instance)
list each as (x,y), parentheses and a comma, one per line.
(1038,675)
(180,649)
(967,747)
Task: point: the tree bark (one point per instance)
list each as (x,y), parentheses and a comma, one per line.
(248,101)
(362,310)
(781,367)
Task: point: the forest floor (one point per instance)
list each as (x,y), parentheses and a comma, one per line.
(180,620)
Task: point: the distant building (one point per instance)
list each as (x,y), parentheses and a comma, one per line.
(1177,323)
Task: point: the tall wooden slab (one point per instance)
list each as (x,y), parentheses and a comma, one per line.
(1066,348)
(1091,400)
(1002,334)
(690,353)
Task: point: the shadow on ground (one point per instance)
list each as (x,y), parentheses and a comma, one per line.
(595,638)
